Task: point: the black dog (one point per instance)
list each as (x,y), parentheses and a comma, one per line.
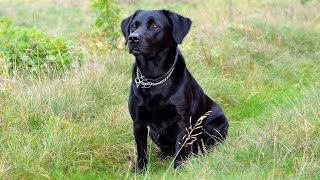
(164,96)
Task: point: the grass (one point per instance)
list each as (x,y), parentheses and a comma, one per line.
(262,67)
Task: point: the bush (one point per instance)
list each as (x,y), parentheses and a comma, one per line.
(108,22)
(27,51)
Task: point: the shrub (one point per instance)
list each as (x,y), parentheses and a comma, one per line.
(27,51)
(108,22)
(303,2)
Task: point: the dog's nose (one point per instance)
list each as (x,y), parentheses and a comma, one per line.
(134,37)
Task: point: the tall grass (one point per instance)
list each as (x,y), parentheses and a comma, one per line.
(263,68)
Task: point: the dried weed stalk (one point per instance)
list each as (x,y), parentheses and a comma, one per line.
(190,138)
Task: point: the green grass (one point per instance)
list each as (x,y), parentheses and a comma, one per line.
(263,68)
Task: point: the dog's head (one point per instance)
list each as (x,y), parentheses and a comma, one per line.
(148,33)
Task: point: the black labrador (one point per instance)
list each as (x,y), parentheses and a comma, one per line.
(164,96)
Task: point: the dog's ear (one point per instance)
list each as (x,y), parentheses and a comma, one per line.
(125,25)
(180,25)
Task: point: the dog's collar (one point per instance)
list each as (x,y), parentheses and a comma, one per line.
(148,82)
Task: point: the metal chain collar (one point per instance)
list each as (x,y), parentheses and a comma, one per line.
(146,83)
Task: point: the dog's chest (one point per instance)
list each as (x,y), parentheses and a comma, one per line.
(157,112)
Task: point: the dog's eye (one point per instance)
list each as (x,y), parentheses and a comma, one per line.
(155,26)
(133,26)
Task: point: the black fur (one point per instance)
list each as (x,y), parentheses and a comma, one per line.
(153,37)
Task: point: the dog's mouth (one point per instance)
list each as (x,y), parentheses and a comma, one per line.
(137,52)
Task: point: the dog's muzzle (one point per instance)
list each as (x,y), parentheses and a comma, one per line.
(134,38)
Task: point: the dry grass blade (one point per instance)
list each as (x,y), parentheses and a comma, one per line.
(191,137)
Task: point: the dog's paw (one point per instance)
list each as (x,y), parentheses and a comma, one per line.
(139,169)
(178,165)
(165,156)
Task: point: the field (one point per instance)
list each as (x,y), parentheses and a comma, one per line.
(260,60)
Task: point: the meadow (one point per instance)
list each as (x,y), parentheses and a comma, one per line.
(260,60)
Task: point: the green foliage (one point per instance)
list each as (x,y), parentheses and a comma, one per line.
(29,51)
(303,2)
(107,21)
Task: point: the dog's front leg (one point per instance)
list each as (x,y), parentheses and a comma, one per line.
(140,135)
